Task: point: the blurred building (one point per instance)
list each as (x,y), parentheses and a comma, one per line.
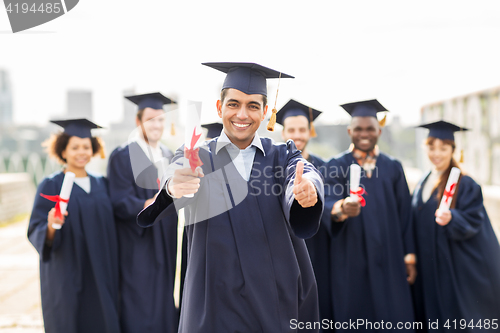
(79,104)
(5,99)
(118,132)
(480,112)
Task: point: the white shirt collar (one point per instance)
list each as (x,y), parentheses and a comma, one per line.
(223,141)
(148,150)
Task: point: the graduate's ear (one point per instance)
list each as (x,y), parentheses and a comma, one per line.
(219,108)
(349,130)
(137,122)
(265,112)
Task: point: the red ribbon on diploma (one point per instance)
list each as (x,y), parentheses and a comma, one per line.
(449,194)
(359,193)
(158,182)
(192,154)
(57,199)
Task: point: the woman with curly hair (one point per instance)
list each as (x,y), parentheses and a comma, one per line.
(79,261)
(458,255)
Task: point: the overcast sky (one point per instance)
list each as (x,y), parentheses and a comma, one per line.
(404,54)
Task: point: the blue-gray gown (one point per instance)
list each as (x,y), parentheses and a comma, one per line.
(319,252)
(147,256)
(79,272)
(458,264)
(368,274)
(248,269)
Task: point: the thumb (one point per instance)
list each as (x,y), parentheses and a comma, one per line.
(298,172)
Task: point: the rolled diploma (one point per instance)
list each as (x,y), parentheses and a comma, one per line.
(452,179)
(66,187)
(187,165)
(355,172)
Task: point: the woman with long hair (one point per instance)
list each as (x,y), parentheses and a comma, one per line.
(458,255)
(79,260)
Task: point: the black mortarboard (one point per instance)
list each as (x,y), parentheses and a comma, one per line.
(77,127)
(364,108)
(214,129)
(294,108)
(247,77)
(443,130)
(152,100)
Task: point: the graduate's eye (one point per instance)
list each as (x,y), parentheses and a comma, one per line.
(232,105)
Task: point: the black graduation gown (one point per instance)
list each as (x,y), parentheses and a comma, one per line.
(368,273)
(147,256)
(319,252)
(458,264)
(249,269)
(79,272)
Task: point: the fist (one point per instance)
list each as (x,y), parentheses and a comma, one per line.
(184,182)
(351,207)
(54,220)
(303,189)
(443,217)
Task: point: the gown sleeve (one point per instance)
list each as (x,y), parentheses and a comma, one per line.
(402,194)
(334,191)
(469,214)
(125,202)
(303,221)
(37,229)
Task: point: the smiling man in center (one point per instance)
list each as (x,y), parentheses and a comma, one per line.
(248,266)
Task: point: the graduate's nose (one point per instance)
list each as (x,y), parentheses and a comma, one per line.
(242,113)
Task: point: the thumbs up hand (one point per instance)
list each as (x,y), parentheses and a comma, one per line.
(303,189)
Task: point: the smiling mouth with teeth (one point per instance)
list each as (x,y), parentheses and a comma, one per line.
(241,125)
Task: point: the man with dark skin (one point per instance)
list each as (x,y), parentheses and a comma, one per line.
(372,257)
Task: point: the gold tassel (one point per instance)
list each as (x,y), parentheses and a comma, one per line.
(313,130)
(382,122)
(172,129)
(102,153)
(461,156)
(272,121)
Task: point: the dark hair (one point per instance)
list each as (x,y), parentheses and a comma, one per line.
(223,94)
(140,112)
(441,184)
(57,143)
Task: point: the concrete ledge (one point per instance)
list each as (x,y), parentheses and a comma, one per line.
(16,195)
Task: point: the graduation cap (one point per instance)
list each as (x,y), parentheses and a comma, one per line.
(152,100)
(293,108)
(247,77)
(444,130)
(77,127)
(367,108)
(214,129)
(250,78)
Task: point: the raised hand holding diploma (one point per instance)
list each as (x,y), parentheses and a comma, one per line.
(62,199)
(443,214)
(303,189)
